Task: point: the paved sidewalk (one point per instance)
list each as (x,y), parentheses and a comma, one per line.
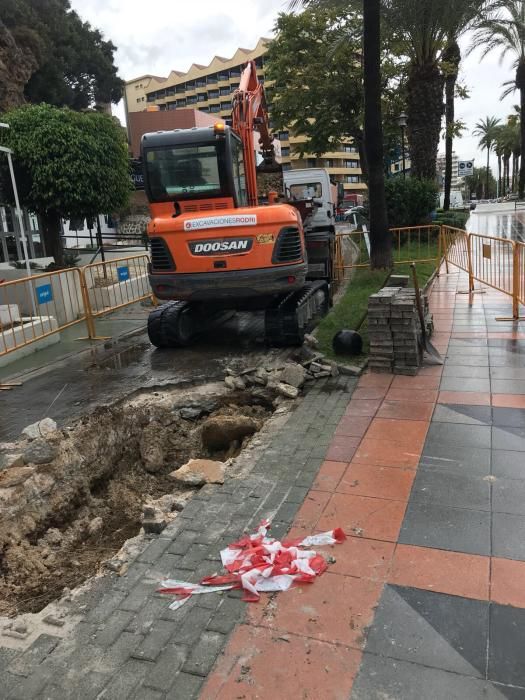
(426,474)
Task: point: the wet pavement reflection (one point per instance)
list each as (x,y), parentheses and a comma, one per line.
(501,220)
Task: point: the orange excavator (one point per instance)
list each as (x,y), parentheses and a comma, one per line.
(213,247)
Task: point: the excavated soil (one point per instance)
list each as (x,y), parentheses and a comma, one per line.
(69,520)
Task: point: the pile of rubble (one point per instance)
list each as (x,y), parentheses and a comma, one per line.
(395,332)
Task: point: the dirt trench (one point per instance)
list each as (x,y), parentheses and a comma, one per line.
(68,520)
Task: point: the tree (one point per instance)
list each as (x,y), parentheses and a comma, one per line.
(66,62)
(68,164)
(476,183)
(487,130)
(381,251)
(503,29)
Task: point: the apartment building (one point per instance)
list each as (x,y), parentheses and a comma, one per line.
(456,182)
(209,89)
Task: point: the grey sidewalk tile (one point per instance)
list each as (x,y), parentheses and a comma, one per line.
(456,458)
(442,527)
(380,678)
(507,642)
(508,496)
(186,687)
(459,490)
(463,371)
(113,626)
(24,664)
(154,550)
(508,464)
(125,681)
(466,384)
(161,674)
(508,417)
(507,373)
(202,656)
(154,642)
(509,438)
(508,536)
(459,413)
(433,629)
(455,360)
(457,434)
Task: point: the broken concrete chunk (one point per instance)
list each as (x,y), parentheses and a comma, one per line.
(15,476)
(54,621)
(39,452)
(153,520)
(235,383)
(311,341)
(152,447)
(191,413)
(293,374)
(220,431)
(289,392)
(197,472)
(40,428)
(7,461)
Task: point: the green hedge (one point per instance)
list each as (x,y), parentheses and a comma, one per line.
(410,202)
(456,219)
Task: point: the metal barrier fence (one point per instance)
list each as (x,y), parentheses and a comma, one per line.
(455,248)
(421,243)
(38,307)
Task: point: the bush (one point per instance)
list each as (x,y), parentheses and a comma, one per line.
(410,202)
(456,219)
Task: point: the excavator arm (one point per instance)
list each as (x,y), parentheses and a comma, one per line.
(249,114)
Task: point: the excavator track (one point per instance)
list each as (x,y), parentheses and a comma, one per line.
(287,322)
(171,325)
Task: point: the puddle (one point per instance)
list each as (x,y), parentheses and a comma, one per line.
(59,526)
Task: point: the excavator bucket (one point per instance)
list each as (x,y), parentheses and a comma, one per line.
(269,166)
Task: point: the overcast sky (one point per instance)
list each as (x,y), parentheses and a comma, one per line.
(156,36)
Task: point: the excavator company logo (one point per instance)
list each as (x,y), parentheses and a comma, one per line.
(220,222)
(224,246)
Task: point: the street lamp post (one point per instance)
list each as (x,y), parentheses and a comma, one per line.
(402,123)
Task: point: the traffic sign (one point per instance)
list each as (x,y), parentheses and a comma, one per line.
(465,168)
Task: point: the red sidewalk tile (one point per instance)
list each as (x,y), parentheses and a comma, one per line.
(386,453)
(353,426)
(437,570)
(333,609)
(362,558)
(468,398)
(508,400)
(308,514)
(258,664)
(377,482)
(507,583)
(342,448)
(411,433)
(369,392)
(362,407)
(406,410)
(329,476)
(361,516)
(426,395)
(377,380)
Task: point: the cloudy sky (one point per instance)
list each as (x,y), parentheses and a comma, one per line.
(155,36)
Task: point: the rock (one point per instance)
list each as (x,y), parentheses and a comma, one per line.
(7,461)
(15,476)
(170,503)
(349,370)
(315,367)
(95,525)
(220,431)
(19,626)
(152,447)
(204,471)
(114,565)
(40,429)
(323,373)
(260,377)
(289,392)
(39,452)
(53,537)
(190,413)
(153,520)
(235,383)
(293,374)
(334,370)
(311,341)
(54,621)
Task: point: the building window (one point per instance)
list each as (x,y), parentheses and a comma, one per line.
(259,62)
(347,148)
(190,85)
(285,150)
(234,86)
(235,73)
(329,163)
(138,99)
(170,91)
(213,94)
(215,108)
(354,179)
(202,97)
(212,79)
(287,166)
(151,97)
(181,103)
(191,100)
(311,163)
(172,105)
(224,91)
(204,109)
(180,89)
(201,82)
(284,135)
(224,76)
(351,163)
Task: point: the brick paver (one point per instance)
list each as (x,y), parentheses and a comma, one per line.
(425,598)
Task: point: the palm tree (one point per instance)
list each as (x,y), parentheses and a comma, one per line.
(487,130)
(503,29)
(499,150)
(380,237)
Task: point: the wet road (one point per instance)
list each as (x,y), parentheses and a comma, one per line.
(502,220)
(101,375)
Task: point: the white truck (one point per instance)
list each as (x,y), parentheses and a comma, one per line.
(319,228)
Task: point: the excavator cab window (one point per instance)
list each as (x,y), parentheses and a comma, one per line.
(184,171)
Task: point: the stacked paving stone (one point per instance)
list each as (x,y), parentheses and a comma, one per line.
(394,330)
